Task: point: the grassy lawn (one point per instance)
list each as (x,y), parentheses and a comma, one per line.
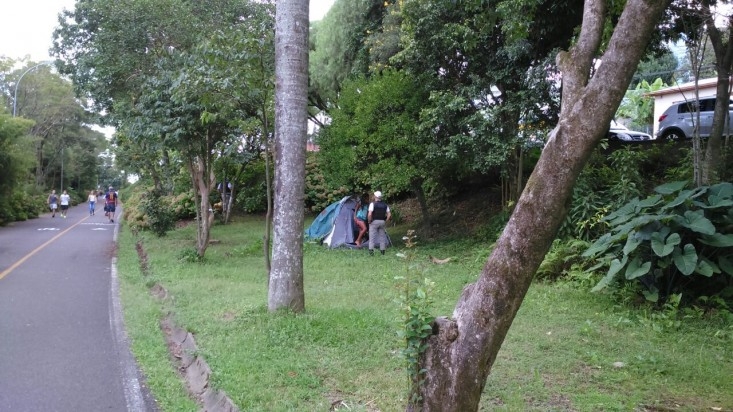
(568,349)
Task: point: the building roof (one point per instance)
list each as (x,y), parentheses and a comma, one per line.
(685,87)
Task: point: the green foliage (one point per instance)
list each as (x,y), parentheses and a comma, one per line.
(159,215)
(182,205)
(373,140)
(318,192)
(19,198)
(600,188)
(189,255)
(344,348)
(491,230)
(147,209)
(656,66)
(563,258)
(20,206)
(339,46)
(677,241)
(638,106)
(415,301)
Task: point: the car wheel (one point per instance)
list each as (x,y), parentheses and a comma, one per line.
(673,135)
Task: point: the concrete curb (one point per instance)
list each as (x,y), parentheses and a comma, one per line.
(194,368)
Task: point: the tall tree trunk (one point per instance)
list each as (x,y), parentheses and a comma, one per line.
(268,189)
(291,114)
(203,179)
(463,349)
(723,63)
(268,216)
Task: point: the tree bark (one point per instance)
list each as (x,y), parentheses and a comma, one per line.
(203,180)
(463,349)
(291,113)
(724,63)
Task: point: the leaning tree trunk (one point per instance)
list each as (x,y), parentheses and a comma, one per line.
(291,114)
(463,349)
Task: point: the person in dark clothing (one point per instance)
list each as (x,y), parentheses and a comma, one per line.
(378,216)
(110,204)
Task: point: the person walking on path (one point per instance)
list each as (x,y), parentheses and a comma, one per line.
(378,216)
(92,201)
(53,203)
(65,201)
(110,204)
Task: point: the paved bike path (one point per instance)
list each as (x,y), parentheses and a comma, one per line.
(62,340)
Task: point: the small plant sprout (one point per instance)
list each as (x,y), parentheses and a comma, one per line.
(415,300)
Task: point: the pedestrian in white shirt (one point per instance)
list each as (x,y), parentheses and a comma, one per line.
(65,201)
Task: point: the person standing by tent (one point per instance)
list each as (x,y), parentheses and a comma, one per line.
(377,217)
(360,218)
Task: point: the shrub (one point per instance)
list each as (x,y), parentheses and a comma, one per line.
(600,189)
(318,193)
(563,257)
(158,211)
(678,241)
(491,231)
(182,205)
(146,209)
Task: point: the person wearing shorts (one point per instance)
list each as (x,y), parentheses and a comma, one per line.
(65,201)
(53,203)
(110,204)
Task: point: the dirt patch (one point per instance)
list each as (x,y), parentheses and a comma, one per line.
(461,215)
(184,223)
(159,292)
(142,257)
(338,403)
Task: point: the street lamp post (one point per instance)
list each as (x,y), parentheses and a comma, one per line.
(62,169)
(15,94)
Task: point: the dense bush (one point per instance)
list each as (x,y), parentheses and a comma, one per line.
(146,209)
(318,193)
(21,205)
(563,258)
(677,241)
(182,205)
(603,186)
(159,214)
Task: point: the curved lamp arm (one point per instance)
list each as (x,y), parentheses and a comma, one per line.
(15,94)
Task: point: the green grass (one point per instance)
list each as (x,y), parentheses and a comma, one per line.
(559,354)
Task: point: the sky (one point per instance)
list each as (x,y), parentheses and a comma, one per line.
(27,25)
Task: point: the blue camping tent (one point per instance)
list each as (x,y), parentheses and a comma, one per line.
(334,226)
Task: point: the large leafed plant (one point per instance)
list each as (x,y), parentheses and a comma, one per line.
(678,240)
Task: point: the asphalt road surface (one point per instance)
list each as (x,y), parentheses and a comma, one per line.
(63,346)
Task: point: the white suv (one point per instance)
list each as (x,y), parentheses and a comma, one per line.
(678,121)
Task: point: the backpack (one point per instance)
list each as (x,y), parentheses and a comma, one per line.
(110,197)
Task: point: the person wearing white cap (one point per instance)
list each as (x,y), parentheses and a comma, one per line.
(377,217)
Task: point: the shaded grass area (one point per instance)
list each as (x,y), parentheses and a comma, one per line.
(343,353)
